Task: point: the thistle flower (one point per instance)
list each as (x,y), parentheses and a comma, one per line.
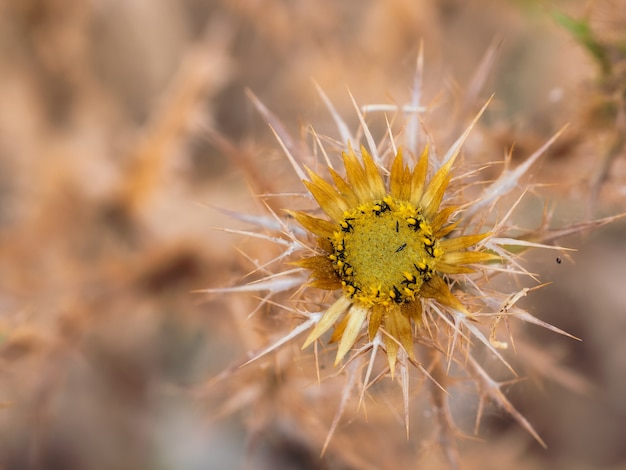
(401,260)
(387,248)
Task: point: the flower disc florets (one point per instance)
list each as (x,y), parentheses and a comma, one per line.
(384,252)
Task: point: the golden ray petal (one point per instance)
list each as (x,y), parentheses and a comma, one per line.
(356,176)
(391,347)
(445,268)
(404,333)
(398,327)
(468,257)
(339,329)
(436,288)
(376,318)
(418,178)
(372,174)
(357,317)
(325,245)
(323,275)
(329,200)
(440,219)
(399,179)
(320,227)
(435,191)
(344,188)
(314,263)
(460,243)
(413,310)
(328,319)
(446,230)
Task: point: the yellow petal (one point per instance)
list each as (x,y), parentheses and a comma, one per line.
(446,230)
(344,188)
(413,310)
(372,174)
(468,257)
(326,196)
(445,268)
(314,263)
(418,178)
(339,329)
(441,218)
(356,176)
(399,179)
(328,319)
(325,245)
(357,317)
(403,332)
(391,348)
(436,288)
(320,227)
(398,327)
(323,275)
(434,192)
(376,317)
(460,243)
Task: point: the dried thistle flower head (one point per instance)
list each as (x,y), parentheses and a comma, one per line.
(400,263)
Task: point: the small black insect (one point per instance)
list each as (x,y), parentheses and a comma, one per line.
(558,260)
(400,248)
(397,226)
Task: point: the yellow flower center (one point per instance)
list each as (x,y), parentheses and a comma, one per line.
(384,251)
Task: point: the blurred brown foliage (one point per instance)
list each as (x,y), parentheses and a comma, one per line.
(122,121)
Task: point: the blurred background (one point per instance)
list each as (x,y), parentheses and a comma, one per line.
(124,124)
